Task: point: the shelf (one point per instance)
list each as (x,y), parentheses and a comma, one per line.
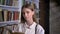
(9,23)
(10,8)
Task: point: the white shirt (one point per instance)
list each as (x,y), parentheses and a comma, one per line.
(30,29)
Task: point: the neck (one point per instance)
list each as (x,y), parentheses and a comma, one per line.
(30,22)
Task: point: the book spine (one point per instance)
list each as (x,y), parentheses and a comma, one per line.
(12,16)
(15,3)
(7,2)
(3,2)
(16,15)
(1,17)
(10,2)
(0,2)
(9,15)
(5,15)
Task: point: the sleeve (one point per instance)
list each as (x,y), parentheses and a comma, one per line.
(40,30)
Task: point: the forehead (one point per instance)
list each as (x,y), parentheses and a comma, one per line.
(26,9)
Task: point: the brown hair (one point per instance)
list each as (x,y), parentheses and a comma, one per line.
(30,6)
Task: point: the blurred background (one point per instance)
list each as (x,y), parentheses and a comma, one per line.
(54,17)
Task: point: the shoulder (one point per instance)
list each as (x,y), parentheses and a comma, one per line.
(40,29)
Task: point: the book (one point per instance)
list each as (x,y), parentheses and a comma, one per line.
(15,3)
(5,15)
(9,15)
(3,2)
(16,15)
(0,2)
(1,17)
(9,2)
(12,15)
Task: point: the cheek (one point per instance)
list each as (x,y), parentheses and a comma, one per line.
(30,15)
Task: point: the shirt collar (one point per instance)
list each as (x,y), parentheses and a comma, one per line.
(31,26)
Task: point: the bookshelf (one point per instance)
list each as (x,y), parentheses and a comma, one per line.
(12,8)
(10,13)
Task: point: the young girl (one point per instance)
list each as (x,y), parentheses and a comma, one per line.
(28,23)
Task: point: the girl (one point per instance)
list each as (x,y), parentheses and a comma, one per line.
(28,23)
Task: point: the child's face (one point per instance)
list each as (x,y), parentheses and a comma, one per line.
(28,14)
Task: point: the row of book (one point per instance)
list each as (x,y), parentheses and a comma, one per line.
(6,15)
(9,2)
